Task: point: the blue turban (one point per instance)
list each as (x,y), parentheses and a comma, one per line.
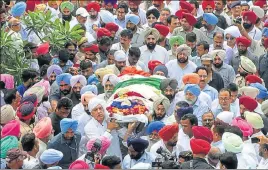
(51,156)
(66,77)
(184,110)
(210,18)
(92,79)
(138,144)
(263,91)
(193,88)
(265,31)
(106,16)
(18,9)
(91,88)
(154,126)
(68,123)
(113,2)
(54,69)
(133,18)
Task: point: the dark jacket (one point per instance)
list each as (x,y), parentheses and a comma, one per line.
(221,23)
(196,163)
(55,119)
(263,68)
(217,81)
(73,98)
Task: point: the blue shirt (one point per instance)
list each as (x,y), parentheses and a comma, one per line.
(196,60)
(212,92)
(120,23)
(200,107)
(216,108)
(219,145)
(64,68)
(147,157)
(21,89)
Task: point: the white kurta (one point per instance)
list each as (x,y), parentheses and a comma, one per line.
(175,152)
(77,111)
(263,164)
(249,154)
(184,141)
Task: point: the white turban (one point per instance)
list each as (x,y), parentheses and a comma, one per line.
(220,53)
(106,16)
(226,117)
(95,102)
(249,91)
(120,55)
(186,48)
(110,77)
(38,90)
(258,11)
(232,142)
(233,31)
(78,78)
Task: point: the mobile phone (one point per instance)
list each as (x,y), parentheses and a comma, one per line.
(255,140)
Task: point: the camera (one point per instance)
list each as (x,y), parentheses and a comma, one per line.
(237,20)
(90,156)
(166,157)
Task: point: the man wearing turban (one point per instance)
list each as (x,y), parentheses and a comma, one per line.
(109,82)
(160,106)
(52,72)
(132,22)
(169,138)
(152,51)
(136,10)
(66,9)
(249,21)
(67,141)
(120,59)
(180,66)
(50,159)
(152,131)
(163,40)
(175,42)
(93,9)
(169,87)
(77,83)
(137,153)
(152,16)
(247,103)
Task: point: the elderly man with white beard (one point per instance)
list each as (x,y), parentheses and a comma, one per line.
(109,81)
(152,131)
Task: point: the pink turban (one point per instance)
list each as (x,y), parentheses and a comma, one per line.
(105,143)
(12,128)
(45,84)
(8,80)
(43,128)
(243,125)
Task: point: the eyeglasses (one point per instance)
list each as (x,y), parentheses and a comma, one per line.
(224,99)
(229,38)
(203,76)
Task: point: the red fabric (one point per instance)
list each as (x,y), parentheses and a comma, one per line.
(112,27)
(131,70)
(190,18)
(250,15)
(179,13)
(168,131)
(103,32)
(265,43)
(99,166)
(248,102)
(201,132)
(79,164)
(93,5)
(43,49)
(246,42)
(260,3)
(93,48)
(206,3)
(31,5)
(265,24)
(253,79)
(12,128)
(136,2)
(163,30)
(199,146)
(186,5)
(153,63)
(28,117)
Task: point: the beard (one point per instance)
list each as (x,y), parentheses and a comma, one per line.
(132,29)
(51,82)
(218,65)
(67,17)
(134,10)
(182,60)
(77,95)
(88,112)
(158,118)
(190,102)
(151,46)
(93,16)
(138,156)
(72,56)
(108,94)
(247,26)
(205,26)
(170,97)
(242,52)
(243,74)
(65,92)
(172,143)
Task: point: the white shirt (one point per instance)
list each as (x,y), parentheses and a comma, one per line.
(242,162)
(263,164)
(77,111)
(173,6)
(249,154)
(118,46)
(30,162)
(184,141)
(82,122)
(142,15)
(175,152)
(255,34)
(176,72)
(159,53)
(256,145)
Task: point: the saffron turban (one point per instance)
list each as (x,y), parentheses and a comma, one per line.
(39,91)
(263,94)
(206,3)
(168,82)
(161,68)
(54,69)
(68,123)
(79,164)
(30,98)
(89,88)
(185,48)
(65,77)
(103,32)
(176,39)
(43,49)
(93,5)
(233,31)
(201,132)
(43,128)
(199,146)
(153,63)
(110,77)
(8,80)
(232,142)
(226,117)
(7,143)
(243,125)
(186,5)
(120,55)
(192,88)
(189,18)
(26,111)
(191,78)
(68,5)
(248,102)
(78,79)
(253,79)
(154,126)
(133,19)
(105,144)
(94,103)
(249,91)
(7,114)
(161,100)
(254,119)
(246,42)
(106,16)
(18,9)
(12,128)
(162,29)
(210,18)
(168,131)
(250,15)
(112,26)
(51,156)
(247,65)
(138,144)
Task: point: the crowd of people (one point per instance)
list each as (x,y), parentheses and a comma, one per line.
(199,66)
